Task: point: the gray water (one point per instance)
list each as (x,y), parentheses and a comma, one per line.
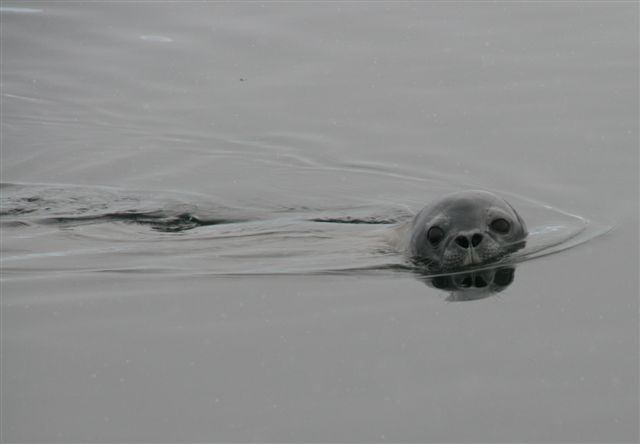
(196,199)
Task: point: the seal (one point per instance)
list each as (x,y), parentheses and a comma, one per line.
(465,229)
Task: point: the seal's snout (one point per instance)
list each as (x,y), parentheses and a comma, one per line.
(467,240)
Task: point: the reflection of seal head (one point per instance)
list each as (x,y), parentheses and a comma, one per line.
(473,285)
(465,229)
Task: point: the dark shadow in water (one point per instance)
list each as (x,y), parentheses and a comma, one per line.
(472,285)
(353,220)
(158,221)
(22,205)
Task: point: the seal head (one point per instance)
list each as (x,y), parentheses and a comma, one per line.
(465,229)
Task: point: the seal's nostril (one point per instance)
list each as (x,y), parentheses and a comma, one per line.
(462,241)
(476,239)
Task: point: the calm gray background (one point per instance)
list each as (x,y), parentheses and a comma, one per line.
(279,105)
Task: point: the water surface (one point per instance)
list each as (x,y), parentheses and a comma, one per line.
(176,178)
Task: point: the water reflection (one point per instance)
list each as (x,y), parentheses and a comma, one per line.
(473,285)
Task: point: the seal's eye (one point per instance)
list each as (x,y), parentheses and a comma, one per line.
(435,235)
(501,226)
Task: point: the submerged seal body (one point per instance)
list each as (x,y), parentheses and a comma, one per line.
(465,229)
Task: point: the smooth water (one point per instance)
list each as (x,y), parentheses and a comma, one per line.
(196,204)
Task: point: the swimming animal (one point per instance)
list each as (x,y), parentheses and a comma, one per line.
(464,229)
